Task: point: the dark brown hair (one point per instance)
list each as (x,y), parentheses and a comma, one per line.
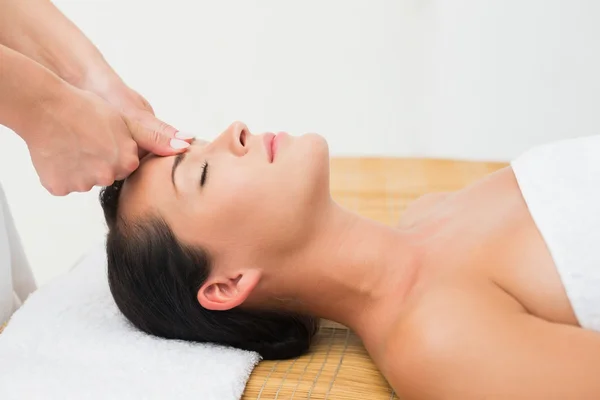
(154,280)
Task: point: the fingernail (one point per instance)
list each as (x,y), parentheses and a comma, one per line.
(184,135)
(179,144)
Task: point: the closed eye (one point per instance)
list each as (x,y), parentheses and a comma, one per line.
(204,173)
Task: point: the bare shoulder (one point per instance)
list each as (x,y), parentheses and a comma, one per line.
(419,208)
(438,331)
(471,340)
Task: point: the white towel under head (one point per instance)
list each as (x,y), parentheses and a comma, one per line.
(69,341)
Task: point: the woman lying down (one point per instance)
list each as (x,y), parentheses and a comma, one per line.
(492,291)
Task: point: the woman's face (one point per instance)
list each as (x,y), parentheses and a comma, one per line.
(242,197)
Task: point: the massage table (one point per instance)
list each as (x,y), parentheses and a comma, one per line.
(338,366)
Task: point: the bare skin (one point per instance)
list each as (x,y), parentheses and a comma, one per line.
(82,124)
(461,301)
(488,316)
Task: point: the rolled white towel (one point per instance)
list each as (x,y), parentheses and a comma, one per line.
(69,341)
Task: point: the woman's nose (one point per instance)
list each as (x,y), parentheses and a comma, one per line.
(235,138)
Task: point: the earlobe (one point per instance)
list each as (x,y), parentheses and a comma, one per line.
(222,293)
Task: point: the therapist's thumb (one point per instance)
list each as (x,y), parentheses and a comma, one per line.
(154,136)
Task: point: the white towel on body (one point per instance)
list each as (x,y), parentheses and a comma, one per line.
(560,183)
(69,341)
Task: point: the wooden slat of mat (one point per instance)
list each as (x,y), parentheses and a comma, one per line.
(338,366)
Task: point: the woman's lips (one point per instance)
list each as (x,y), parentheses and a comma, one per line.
(269,138)
(272,143)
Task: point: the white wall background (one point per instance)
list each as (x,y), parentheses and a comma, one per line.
(463,79)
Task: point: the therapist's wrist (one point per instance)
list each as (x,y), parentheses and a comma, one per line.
(98,78)
(104,82)
(51,96)
(27,91)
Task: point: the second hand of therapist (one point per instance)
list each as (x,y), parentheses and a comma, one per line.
(82,124)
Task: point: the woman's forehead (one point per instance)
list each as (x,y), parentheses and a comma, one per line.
(200,142)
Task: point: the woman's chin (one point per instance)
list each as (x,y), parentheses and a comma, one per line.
(318,158)
(318,144)
(306,161)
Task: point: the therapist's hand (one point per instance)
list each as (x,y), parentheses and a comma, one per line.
(78,140)
(158,135)
(49,72)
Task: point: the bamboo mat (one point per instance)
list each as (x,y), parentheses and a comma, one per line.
(338,367)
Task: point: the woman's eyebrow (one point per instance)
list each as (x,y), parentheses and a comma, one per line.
(178,159)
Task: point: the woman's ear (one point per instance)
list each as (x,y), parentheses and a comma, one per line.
(221,292)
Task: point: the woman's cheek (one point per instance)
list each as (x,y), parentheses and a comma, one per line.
(235,194)
(247,183)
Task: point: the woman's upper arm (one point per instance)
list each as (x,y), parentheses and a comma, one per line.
(464,348)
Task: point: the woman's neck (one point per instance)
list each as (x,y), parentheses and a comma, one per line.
(350,271)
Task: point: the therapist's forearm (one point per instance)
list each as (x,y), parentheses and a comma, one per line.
(38,30)
(27,89)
